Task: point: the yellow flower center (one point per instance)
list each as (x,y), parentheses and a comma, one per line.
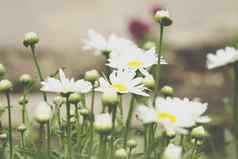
(163,116)
(135,63)
(120,87)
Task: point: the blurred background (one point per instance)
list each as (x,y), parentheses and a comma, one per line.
(198,27)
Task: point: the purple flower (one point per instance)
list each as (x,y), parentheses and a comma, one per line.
(139,28)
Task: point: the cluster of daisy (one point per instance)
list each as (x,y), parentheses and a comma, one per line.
(81,131)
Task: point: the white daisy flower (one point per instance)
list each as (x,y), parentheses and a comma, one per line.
(100,44)
(174,114)
(65,85)
(172,152)
(135,59)
(146,115)
(222,57)
(122,81)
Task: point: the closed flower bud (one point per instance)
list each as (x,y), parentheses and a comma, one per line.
(84,112)
(149,45)
(43,113)
(199,132)
(26,80)
(172,152)
(131,143)
(23,100)
(149,82)
(163,17)
(74,98)
(22,128)
(92,75)
(110,98)
(58,100)
(30,39)
(121,154)
(103,123)
(3,136)
(5,86)
(167,91)
(2,70)
(170,134)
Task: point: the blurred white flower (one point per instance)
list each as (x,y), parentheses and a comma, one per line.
(222,57)
(103,122)
(174,114)
(65,85)
(43,112)
(135,59)
(122,81)
(100,44)
(146,114)
(172,152)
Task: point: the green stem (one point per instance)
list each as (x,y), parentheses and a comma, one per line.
(24,108)
(91,122)
(145,138)
(9,125)
(68,154)
(128,121)
(41,138)
(121,105)
(194,149)
(130,153)
(23,144)
(157,71)
(114,112)
(102,147)
(38,68)
(48,139)
(235,106)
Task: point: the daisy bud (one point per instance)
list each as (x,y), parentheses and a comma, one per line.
(26,80)
(58,100)
(170,133)
(110,98)
(167,91)
(72,120)
(5,85)
(149,45)
(2,70)
(131,143)
(149,82)
(3,136)
(103,123)
(199,132)
(121,154)
(22,100)
(92,75)
(74,98)
(30,39)
(163,17)
(22,128)
(43,113)
(84,112)
(172,152)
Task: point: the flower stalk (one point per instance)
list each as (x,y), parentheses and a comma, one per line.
(235,106)
(38,68)
(68,147)
(128,121)
(157,71)
(9,125)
